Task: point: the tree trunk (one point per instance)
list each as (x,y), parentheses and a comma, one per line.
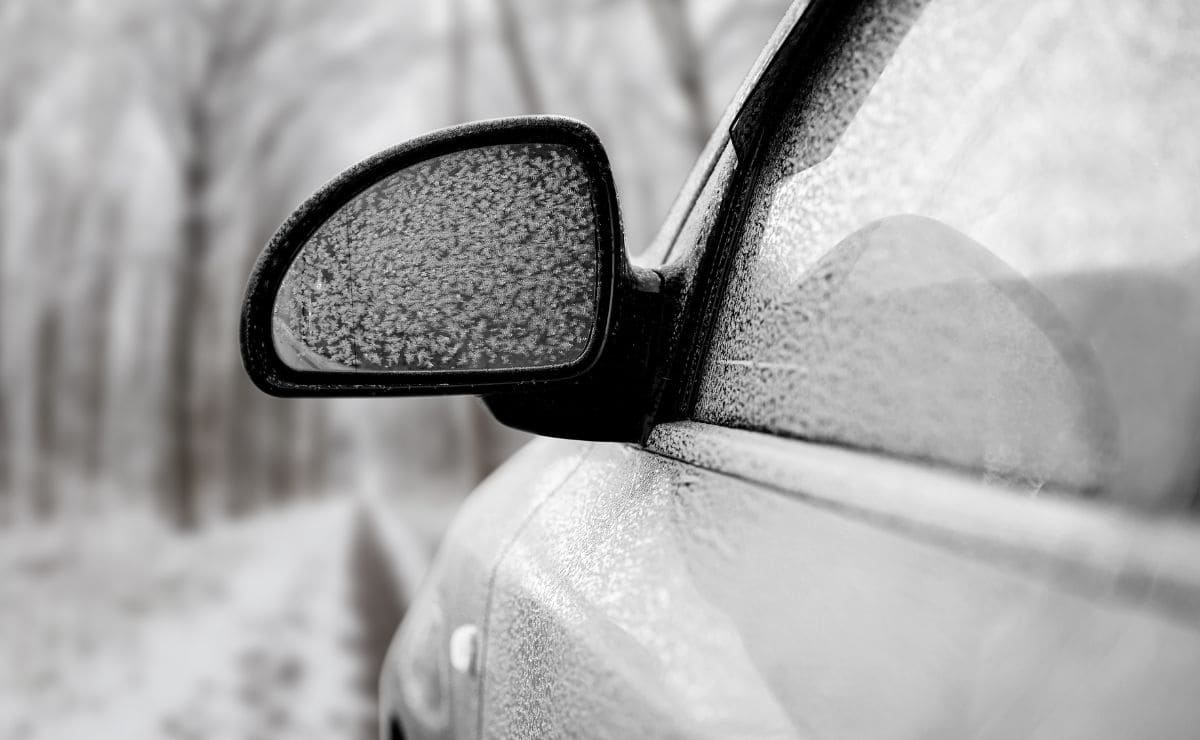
(6,495)
(674,26)
(96,380)
(7,124)
(460,59)
(318,449)
(518,56)
(281,471)
(247,404)
(45,431)
(182,479)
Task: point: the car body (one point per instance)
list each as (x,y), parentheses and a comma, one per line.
(921,457)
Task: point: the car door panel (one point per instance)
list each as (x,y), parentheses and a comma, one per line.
(418,682)
(792,597)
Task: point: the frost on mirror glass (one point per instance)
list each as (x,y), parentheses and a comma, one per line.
(481,259)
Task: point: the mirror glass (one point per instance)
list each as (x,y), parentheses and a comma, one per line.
(480,259)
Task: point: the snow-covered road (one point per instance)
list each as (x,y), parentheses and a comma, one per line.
(265,628)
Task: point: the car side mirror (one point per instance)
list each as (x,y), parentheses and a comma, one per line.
(484,259)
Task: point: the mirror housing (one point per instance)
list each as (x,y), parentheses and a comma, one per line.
(602,391)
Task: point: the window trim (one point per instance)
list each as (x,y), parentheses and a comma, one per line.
(760,109)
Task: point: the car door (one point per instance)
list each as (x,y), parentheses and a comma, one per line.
(927,467)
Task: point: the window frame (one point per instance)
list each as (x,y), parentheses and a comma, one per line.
(792,59)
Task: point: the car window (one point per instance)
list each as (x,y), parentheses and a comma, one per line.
(974,243)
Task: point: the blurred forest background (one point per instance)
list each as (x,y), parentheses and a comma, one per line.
(148,149)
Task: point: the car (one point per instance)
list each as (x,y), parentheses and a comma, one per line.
(894,431)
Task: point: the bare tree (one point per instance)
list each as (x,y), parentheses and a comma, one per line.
(32,35)
(202,87)
(199,51)
(686,65)
(459,62)
(513,38)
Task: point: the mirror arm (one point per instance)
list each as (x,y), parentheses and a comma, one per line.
(614,400)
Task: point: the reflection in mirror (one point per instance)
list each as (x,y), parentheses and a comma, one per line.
(476,260)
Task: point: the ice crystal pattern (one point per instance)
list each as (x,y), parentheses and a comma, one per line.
(481,259)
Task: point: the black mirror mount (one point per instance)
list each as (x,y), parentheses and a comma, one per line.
(614,401)
(587,391)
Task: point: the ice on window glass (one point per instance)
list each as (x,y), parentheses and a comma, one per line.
(975,246)
(481,259)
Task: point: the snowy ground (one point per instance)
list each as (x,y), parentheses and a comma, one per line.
(270,627)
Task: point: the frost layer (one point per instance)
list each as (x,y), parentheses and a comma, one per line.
(474,260)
